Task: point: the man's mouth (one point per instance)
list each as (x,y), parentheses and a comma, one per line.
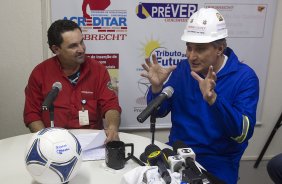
(80,56)
(195,64)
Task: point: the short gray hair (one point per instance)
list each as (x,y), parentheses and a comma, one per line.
(220,42)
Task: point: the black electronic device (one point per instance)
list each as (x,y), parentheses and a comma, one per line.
(175,161)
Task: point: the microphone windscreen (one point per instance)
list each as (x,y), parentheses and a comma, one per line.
(150,149)
(143,158)
(178,144)
(57,85)
(168,91)
(168,152)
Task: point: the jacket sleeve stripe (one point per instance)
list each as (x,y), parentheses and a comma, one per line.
(245,130)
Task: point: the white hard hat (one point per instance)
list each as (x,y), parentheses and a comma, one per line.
(205,26)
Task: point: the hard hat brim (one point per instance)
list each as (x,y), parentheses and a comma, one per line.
(201,39)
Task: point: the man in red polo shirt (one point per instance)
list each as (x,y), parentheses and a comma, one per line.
(86,97)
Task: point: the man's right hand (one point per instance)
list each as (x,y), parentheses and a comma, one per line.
(156,74)
(35,126)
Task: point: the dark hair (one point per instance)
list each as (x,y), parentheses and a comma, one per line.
(56,29)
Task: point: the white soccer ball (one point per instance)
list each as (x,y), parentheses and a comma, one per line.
(53,156)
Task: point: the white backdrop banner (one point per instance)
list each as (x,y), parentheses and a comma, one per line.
(121,33)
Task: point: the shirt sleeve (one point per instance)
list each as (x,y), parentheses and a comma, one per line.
(108,99)
(238,119)
(33,99)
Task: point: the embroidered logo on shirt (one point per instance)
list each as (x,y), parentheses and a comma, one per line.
(110,85)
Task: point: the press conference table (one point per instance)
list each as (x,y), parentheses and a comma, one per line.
(13,171)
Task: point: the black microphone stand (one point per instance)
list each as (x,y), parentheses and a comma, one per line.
(153,124)
(274,130)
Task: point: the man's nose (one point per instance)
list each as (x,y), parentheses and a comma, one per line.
(192,55)
(81,48)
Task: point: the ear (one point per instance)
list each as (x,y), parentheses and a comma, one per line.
(220,50)
(55,49)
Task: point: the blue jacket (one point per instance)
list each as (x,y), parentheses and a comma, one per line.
(219,133)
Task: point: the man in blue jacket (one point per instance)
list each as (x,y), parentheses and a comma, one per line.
(213,107)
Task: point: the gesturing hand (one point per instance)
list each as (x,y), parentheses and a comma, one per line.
(156,74)
(207,85)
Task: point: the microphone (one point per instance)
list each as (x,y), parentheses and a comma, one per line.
(155,103)
(187,154)
(155,157)
(143,158)
(192,173)
(51,96)
(176,162)
(188,176)
(177,145)
(183,150)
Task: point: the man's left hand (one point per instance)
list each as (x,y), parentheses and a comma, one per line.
(207,85)
(112,135)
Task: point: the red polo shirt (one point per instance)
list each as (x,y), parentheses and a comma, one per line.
(91,86)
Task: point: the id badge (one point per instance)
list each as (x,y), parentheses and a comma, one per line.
(83,117)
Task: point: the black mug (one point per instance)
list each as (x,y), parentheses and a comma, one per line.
(115,154)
